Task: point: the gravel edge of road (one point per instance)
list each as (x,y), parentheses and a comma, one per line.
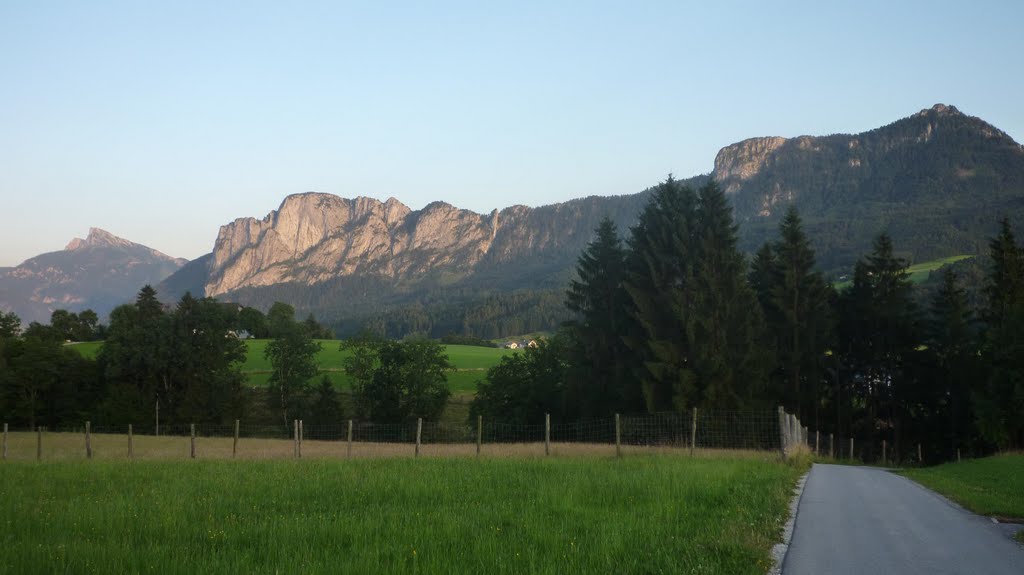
(780,549)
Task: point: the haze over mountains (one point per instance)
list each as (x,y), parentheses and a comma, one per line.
(937,181)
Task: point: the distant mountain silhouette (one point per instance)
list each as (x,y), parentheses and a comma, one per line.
(98,273)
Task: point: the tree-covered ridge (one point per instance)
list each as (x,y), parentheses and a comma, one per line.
(932,181)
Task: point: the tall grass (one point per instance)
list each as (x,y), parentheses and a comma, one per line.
(653,514)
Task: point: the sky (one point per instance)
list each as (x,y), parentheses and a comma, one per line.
(161,121)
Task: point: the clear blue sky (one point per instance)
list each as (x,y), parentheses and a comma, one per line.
(162,121)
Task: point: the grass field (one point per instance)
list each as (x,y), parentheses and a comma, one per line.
(991,486)
(471,363)
(918,272)
(640,514)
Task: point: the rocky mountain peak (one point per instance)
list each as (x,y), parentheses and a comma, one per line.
(98,238)
(940,110)
(335,236)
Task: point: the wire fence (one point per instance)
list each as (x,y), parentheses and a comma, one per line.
(697,430)
(858,449)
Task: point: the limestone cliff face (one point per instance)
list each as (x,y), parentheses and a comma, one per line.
(314,237)
(741,161)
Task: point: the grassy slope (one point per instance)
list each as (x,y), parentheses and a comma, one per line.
(646,514)
(989,486)
(918,272)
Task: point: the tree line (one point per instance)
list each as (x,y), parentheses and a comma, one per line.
(182,361)
(672,317)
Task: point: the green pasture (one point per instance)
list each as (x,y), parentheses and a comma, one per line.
(991,486)
(918,272)
(471,362)
(640,514)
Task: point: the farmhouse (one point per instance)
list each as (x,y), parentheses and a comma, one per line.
(520,344)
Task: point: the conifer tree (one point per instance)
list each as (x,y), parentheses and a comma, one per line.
(799,317)
(952,352)
(659,270)
(600,382)
(878,335)
(725,322)
(1000,401)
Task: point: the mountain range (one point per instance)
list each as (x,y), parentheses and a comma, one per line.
(937,181)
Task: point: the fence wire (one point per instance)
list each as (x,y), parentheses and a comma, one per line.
(698,429)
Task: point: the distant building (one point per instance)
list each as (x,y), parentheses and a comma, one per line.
(520,344)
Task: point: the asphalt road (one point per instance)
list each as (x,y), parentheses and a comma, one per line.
(861,520)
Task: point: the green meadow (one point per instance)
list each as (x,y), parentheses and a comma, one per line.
(989,486)
(471,363)
(918,272)
(638,514)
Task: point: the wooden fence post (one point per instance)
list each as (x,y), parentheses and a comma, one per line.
(479,433)
(618,436)
(693,432)
(158,418)
(349,454)
(192,432)
(234,446)
(920,460)
(547,434)
(295,437)
(851,448)
(419,434)
(5,441)
(39,443)
(88,443)
(5,446)
(301,432)
(831,446)
(131,442)
(783,430)
(884,446)
(817,440)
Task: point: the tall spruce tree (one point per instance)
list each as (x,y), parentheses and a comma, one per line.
(1000,401)
(952,355)
(1004,289)
(659,270)
(799,318)
(725,323)
(600,381)
(878,335)
(696,324)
